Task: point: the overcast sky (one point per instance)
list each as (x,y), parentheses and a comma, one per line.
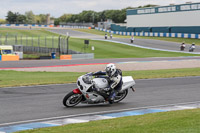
(58,7)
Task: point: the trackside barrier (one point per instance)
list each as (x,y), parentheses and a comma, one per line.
(152,34)
(83,56)
(77,56)
(9,57)
(46,26)
(65,57)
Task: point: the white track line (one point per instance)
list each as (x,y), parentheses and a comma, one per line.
(139,46)
(95,113)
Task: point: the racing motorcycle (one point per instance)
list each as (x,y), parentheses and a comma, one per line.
(91,90)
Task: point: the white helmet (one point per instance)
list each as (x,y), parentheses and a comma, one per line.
(110,69)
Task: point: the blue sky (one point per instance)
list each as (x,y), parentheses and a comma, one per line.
(58,7)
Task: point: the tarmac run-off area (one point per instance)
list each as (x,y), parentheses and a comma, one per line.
(124,66)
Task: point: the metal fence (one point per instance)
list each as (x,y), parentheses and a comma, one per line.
(39,41)
(38,44)
(43,50)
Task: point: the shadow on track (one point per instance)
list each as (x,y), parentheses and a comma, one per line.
(102,105)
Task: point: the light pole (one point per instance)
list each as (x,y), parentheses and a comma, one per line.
(67,42)
(93,18)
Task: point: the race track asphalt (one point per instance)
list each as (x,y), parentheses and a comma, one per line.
(37,102)
(43,63)
(159,44)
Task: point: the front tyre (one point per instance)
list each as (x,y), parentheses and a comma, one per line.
(72,99)
(120,96)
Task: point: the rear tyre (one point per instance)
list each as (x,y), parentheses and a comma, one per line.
(72,99)
(120,96)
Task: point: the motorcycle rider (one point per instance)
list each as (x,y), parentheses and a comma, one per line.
(114,79)
(192,47)
(182,47)
(132,39)
(106,36)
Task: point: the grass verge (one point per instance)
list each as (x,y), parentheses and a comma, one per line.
(27,32)
(179,40)
(184,121)
(116,50)
(10,78)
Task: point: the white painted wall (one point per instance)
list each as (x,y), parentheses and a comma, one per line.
(184,18)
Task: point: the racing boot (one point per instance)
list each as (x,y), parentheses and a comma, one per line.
(112,97)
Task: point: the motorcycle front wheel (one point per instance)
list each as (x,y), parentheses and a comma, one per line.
(72,99)
(120,96)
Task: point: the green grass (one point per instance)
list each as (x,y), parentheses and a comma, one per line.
(31,56)
(166,73)
(35,32)
(18,78)
(115,50)
(184,121)
(179,40)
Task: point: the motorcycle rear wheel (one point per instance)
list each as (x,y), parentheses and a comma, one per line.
(120,96)
(72,99)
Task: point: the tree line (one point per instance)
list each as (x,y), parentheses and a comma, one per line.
(28,18)
(117,16)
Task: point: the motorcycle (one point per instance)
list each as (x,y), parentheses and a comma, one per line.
(191,49)
(91,90)
(182,48)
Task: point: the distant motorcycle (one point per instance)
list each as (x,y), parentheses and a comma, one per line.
(91,90)
(192,48)
(182,47)
(132,39)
